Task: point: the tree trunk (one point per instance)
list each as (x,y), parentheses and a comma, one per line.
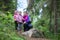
(55,16)
(30,4)
(51,6)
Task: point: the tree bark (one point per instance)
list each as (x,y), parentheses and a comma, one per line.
(55,17)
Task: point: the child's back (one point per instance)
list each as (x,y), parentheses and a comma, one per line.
(20,18)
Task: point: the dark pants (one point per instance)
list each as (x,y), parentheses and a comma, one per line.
(19,28)
(16,25)
(30,26)
(27,26)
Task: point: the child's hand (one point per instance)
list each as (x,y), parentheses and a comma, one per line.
(24,22)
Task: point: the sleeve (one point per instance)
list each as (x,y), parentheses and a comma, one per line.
(26,17)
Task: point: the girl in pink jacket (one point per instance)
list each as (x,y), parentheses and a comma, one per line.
(15,19)
(18,20)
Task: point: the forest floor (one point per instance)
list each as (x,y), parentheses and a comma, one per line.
(27,38)
(30,38)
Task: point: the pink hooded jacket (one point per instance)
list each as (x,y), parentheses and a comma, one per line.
(17,17)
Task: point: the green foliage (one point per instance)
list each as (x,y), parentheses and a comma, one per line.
(9,36)
(7,27)
(7,5)
(43,24)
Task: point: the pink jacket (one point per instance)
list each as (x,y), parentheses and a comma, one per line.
(25,18)
(18,17)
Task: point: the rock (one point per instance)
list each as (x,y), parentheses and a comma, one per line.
(33,33)
(37,34)
(28,33)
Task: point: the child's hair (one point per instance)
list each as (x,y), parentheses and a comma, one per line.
(25,12)
(20,12)
(15,11)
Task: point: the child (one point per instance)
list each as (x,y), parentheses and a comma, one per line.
(27,21)
(15,19)
(20,18)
